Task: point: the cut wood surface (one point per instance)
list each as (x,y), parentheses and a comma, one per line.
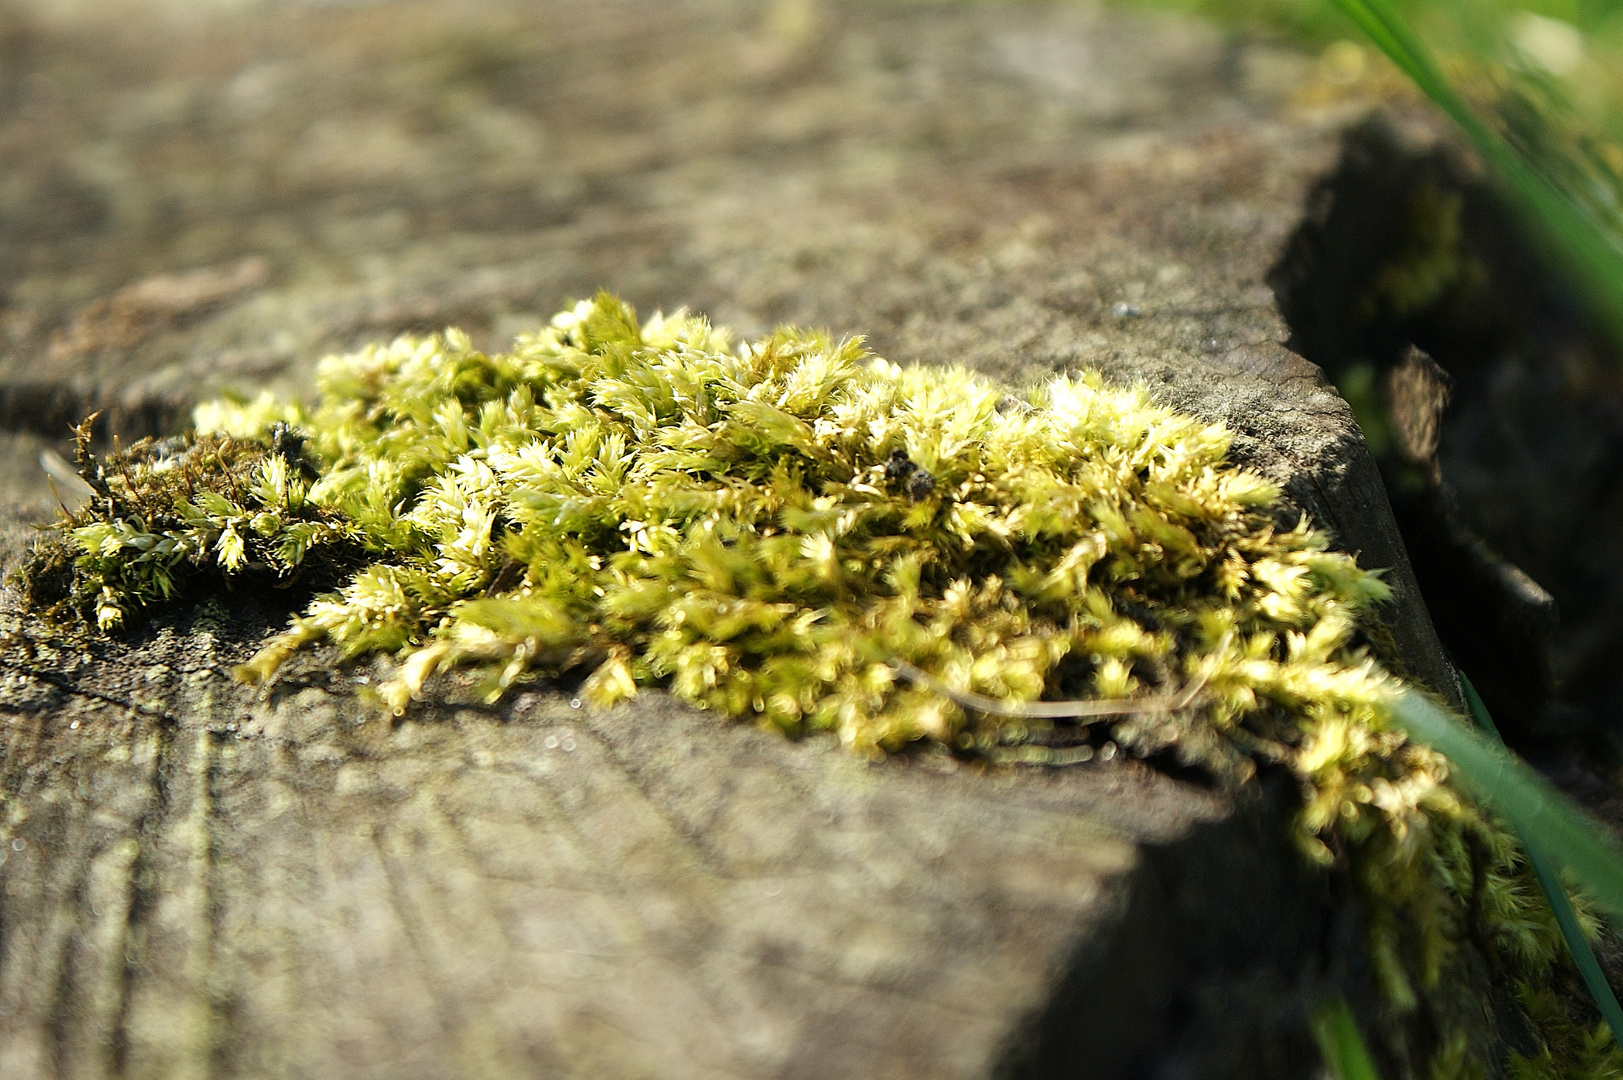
(198,879)
(301,888)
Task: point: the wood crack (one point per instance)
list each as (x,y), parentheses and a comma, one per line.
(68,686)
(142,896)
(416,937)
(215,1044)
(59,1013)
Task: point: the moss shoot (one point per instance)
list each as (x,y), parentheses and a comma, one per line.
(778,530)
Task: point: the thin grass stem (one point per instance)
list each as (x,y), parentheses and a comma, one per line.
(1529,802)
(1550,881)
(1340,1041)
(1577,238)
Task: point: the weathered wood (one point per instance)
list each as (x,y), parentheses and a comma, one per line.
(214,202)
(300,888)
(201,881)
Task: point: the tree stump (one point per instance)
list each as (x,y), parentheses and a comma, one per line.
(197,879)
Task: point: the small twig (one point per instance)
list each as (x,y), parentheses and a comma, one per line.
(86,461)
(50,482)
(69,686)
(1063,710)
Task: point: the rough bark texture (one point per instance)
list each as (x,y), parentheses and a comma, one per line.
(196,880)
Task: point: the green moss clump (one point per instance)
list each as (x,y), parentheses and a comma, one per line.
(768,529)
(1572,1044)
(163,509)
(1433,264)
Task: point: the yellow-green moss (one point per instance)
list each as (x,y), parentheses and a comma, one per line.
(1571,1046)
(1432,263)
(769,528)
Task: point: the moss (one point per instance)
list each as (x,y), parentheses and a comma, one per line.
(1433,265)
(785,530)
(163,509)
(1359,383)
(1572,1044)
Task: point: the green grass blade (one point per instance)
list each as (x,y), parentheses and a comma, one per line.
(1576,236)
(1345,1054)
(1529,802)
(1550,881)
